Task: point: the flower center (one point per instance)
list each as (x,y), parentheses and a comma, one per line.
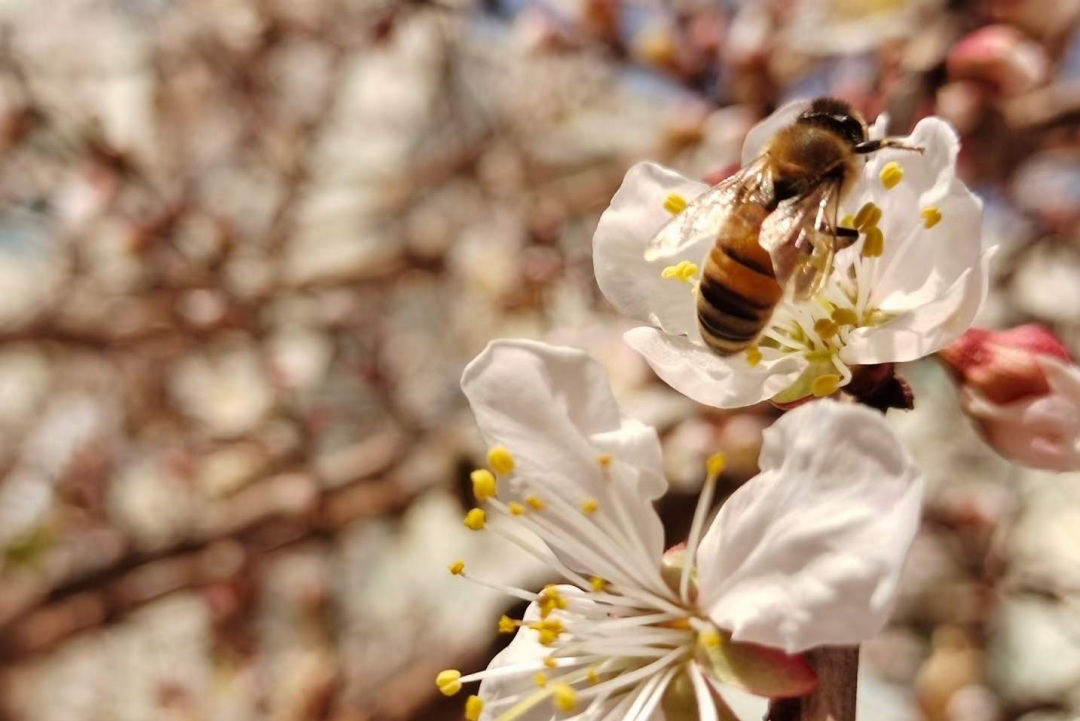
(619,633)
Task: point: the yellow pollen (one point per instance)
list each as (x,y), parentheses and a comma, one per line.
(674,203)
(565,698)
(931,216)
(874,245)
(715,465)
(848,221)
(590,506)
(483,484)
(867,216)
(826,328)
(710,638)
(598,584)
(501,460)
(684,271)
(550,662)
(535,502)
(516,509)
(753,356)
(475,519)
(449,681)
(891,174)
(540,679)
(605,459)
(508,625)
(457,568)
(845,316)
(825,385)
(550,599)
(474,706)
(549,629)
(593,676)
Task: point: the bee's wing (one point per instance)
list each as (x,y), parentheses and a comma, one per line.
(703,218)
(800,241)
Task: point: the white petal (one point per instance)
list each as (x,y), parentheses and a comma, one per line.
(706,377)
(632,284)
(760,134)
(925,329)
(810,551)
(552,408)
(920,263)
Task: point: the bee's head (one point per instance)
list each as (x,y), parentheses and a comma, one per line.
(837,116)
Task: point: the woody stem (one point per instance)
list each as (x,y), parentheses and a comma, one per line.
(838,679)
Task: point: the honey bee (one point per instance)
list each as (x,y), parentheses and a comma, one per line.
(774,222)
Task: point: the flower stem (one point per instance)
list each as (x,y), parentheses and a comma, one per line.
(837,669)
(838,682)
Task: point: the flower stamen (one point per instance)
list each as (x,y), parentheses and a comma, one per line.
(684,271)
(484,485)
(501,460)
(675,203)
(891,175)
(931,216)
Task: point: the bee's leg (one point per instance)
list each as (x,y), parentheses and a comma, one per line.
(844,236)
(872,146)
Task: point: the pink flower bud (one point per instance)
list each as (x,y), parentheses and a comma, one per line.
(1000,56)
(1023,392)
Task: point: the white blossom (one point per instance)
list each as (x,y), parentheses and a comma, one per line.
(807,553)
(915,294)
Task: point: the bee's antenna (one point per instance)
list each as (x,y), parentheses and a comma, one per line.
(872,146)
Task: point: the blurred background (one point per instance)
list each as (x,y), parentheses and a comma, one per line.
(247,246)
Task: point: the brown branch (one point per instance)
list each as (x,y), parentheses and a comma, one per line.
(838,682)
(359,482)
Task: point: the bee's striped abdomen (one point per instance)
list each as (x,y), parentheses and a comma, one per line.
(738,290)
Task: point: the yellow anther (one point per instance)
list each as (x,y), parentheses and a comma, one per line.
(540,679)
(549,630)
(501,460)
(598,584)
(826,328)
(565,698)
(551,599)
(475,519)
(683,271)
(535,502)
(508,625)
(845,316)
(825,385)
(675,203)
(753,356)
(874,245)
(848,221)
(715,465)
(516,509)
(931,216)
(710,638)
(550,662)
(592,676)
(590,506)
(483,484)
(457,568)
(474,706)
(605,459)
(868,215)
(891,174)
(449,681)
